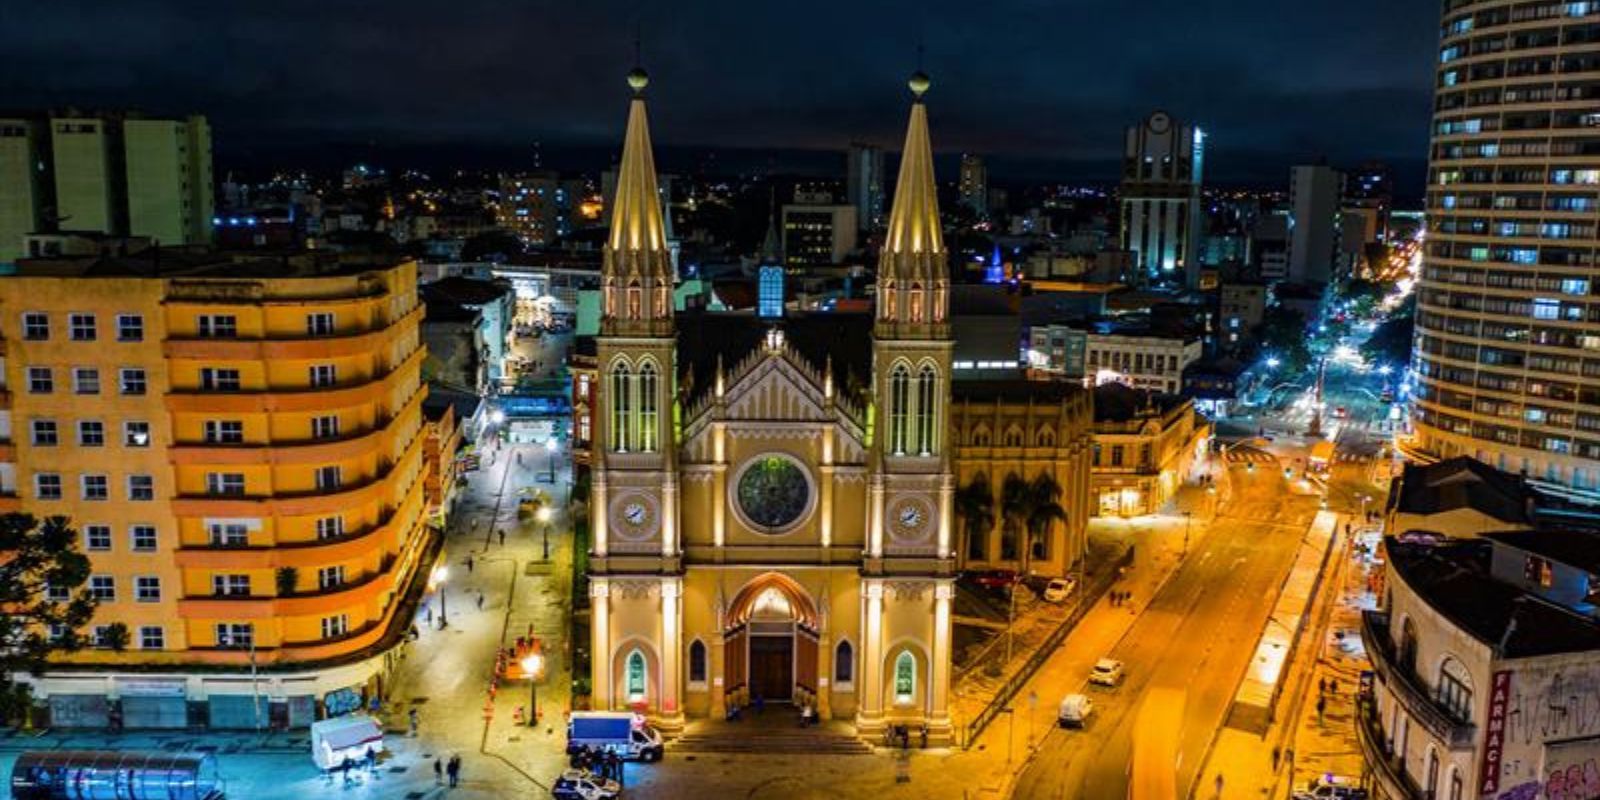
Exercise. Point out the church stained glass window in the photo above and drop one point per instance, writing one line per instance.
(905, 677)
(773, 493)
(635, 672)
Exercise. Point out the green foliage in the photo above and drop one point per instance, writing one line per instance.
(288, 579)
(1284, 336)
(116, 637)
(1031, 507)
(36, 554)
(1390, 342)
(974, 503)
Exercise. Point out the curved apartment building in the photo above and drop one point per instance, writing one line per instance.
(240, 445)
(1508, 331)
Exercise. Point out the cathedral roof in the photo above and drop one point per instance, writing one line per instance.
(636, 221)
(706, 338)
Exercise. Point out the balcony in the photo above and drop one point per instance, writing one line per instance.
(298, 398)
(1408, 689)
(333, 345)
(1385, 765)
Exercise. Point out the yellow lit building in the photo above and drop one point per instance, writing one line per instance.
(241, 446)
(1145, 446)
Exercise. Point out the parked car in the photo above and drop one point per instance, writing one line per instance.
(1332, 787)
(995, 578)
(577, 784)
(1107, 672)
(1075, 711)
(1059, 589)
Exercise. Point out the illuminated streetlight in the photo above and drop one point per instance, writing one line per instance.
(1272, 363)
(436, 580)
(532, 665)
(551, 446)
(544, 521)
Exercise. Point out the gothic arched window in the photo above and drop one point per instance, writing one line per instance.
(621, 409)
(905, 677)
(899, 399)
(926, 410)
(648, 417)
(634, 670)
(697, 661)
(844, 663)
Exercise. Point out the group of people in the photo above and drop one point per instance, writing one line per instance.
(603, 764)
(348, 765)
(451, 768)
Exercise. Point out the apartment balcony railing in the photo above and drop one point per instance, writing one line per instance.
(1408, 689)
(1383, 762)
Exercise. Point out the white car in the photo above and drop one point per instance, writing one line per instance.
(1059, 589)
(1075, 711)
(1106, 672)
(577, 784)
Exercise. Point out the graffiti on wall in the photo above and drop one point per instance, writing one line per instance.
(1552, 722)
(1573, 781)
(1566, 705)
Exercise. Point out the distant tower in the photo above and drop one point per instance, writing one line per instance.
(864, 184)
(974, 184)
(769, 274)
(1162, 216)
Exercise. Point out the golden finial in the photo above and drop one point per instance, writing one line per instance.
(638, 79)
(919, 83)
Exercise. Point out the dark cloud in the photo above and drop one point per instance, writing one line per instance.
(1041, 81)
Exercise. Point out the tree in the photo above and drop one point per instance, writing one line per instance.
(975, 505)
(1044, 510)
(288, 579)
(42, 577)
(115, 636)
(1014, 510)
(1284, 337)
(1390, 342)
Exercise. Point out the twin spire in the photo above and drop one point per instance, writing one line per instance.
(636, 221)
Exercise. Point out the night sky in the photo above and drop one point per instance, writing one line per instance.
(1044, 88)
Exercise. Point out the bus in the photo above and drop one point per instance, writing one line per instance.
(1321, 460)
(1153, 769)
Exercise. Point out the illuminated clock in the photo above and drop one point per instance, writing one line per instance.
(633, 516)
(908, 518)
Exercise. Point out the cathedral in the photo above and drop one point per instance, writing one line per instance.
(772, 500)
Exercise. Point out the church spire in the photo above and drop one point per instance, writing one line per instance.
(913, 276)
(772, 247)
(637, 266)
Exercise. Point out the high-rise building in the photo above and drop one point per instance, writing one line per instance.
(864, 184)
(1162, 168)
(113, 174)
(539, 207)
(818, 235)
(1314, 194)
(239, 445)
(1369, 192)
(1504, 315)
(974, 184)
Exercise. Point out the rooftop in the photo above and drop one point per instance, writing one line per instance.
(1575, 548)
(1457, 483)
(1014, 390)
(163, 262)
(705, 336)
(1117, 402)
(1453, 579)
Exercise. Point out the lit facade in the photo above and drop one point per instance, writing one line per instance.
(241, 447)
(1145, 447)
(1163, 165)
(1505, 327)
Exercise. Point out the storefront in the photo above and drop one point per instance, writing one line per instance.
(153, 703)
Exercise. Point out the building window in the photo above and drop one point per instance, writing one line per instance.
(147, 589)
(330, 527)
(217, 326)
(81, 327)
(225, 483)
(141, 487)
(324, 427)
(1116, 455)
(899, 399)
(927, 381)
(844, 664)
(648, 418)
(1454, 694)
(319, 324)
(1455, 784)
(36, 326)
(96, 537)
(91, 433)
(697, 661)
(214, 379)
(86, 380)
(40, 381)
(57, 594)
(236, 634)
(103, 588)
(100, 637)
(634, 669)
(620, 409)
(905, 678)
(133, 381)
(130, 328)
(329, 478)
(224, 431)
(330, 577)
(230, 585)
(322, 375)
(1538, 571)
(45, 433)
(229, 534)
(337, 625)
(143, 538)
(152, 637)
(95, 487)
(136, 434)
(47, 486)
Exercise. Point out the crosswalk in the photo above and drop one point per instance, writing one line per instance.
(1244, 455)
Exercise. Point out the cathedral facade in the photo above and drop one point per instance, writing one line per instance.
(772, 501)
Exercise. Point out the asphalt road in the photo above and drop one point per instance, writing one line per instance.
(1196, 636)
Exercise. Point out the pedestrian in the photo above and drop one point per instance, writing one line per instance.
(414, 719)
(427, 610)
(1288, 757)
(453, 769)
(1322, 704)
(614, 766)
(372, 759)
(1322, 686)
(438, 771)
(1219, 784)
(480, 599)
(1333, 686)
(469, 563)
(502, 537)
(1276, 755)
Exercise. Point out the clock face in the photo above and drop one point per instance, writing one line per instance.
(633, 516)
(909, 518)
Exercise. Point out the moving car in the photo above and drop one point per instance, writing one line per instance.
(1107, 672)
(1075, 711)
(577, 784)
(1059, 589)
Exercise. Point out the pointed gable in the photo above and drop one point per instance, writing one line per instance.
(636, 266)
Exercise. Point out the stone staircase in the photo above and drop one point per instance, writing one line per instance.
(762, 738)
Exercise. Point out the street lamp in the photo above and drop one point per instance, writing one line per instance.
(544, 522)
(550, 446)
(437, 580)
(532, 664)
(1272, 363)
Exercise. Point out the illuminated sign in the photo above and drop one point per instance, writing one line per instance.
(1495, 734)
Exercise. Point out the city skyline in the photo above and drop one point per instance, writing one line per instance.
(487, 83)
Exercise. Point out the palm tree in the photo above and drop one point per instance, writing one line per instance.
(975, 506)
(1044, 509)
(1016, 505)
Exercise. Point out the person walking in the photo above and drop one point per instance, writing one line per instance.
(502, 537)
(438, 771)
(453, 769)
(1219, 784)
(1322, 705)
(480, 599)
(469, 563)
(1277, 754)
(1322, 686)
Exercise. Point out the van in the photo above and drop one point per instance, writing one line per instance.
(1075, 711)
(622, 732)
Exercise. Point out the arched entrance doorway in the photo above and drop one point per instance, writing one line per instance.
(770, 642)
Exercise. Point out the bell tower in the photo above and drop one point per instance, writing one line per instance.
(635, 565)
(909, 569)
